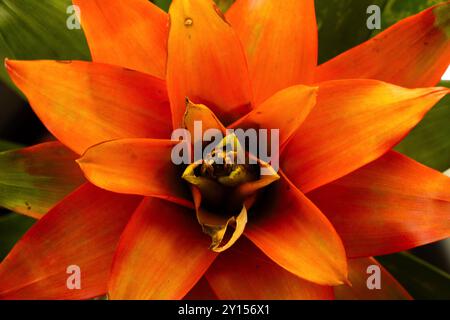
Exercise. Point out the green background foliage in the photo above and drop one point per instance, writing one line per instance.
(12, 227)
(37, 30)
(342, 23)
(429, 142)
(421, 279)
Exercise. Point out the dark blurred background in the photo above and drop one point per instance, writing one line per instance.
(18, 123)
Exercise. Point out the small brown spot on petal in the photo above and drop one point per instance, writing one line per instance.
(188, 22)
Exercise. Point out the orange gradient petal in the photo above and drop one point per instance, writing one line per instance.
(244, 273)
(162, 253)
(82, 230)
(206, 62)
(296, 235)
(131, 34)
(280, 39)
(390, 205)
(136, 166)
(285, 110)
(415, 52)
(353, 123)
(84, 103)
(359, 276)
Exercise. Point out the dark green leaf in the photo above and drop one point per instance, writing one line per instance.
(7, 145)
(421, 279)
(342, 23)
(224, 4)
(163, 4)
(12, 228)
(429, 142)
(33, 180)
(31, 29)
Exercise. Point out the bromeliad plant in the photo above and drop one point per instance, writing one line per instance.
(307, 231)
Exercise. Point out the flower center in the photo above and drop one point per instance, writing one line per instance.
(222, 167)
(225, 185)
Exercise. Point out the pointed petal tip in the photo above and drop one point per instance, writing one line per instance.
(341, 278)
(10, 65)
(445, 90)
(313, 89)
(191, 105)
(348, 282)
(79, 161)
(441, 92)
(13, 64)
(442, 13)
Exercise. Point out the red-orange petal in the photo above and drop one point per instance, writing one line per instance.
(359, 276)
(136, 166)
(280, 38)
(131, 34)
(390, 205)
(85, 103)
(415, 52)
(161, 255)
(296, 235)
(201, 291)
(82, 230)
(206, 62)
(244, 273)
(285, 110)
(353, 123)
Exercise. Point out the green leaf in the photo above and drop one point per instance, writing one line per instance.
(342, 23)
(163, 4)
(33, 180)
(224, 5)
(421, 279)
(7, 145)
(12, 228)
(31, 29)
(429, 142)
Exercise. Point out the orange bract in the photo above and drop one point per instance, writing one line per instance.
(254, 68)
